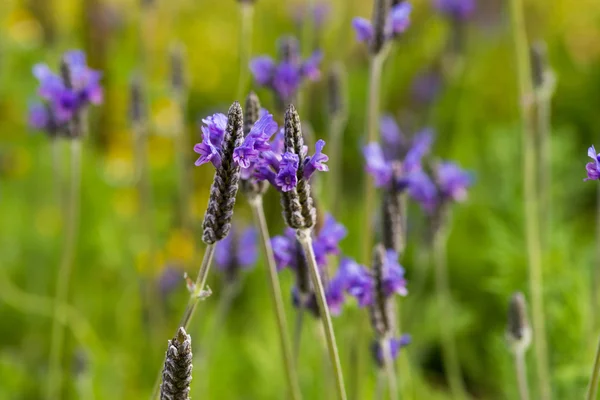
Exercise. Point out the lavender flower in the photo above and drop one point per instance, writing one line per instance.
(238, 251)
(177, 370)
(593, 168)
(453, 181)
(286, 77)
(459, 10)
(67, 95)
(394, 23)
(395, 345)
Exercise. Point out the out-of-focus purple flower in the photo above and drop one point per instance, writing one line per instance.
(319, 13)
(284, 249)
(593, 168)
(423, 190)
(393, 276)
(395, 345)
(421, 145)
(330, 235)
(169, 279)
(355, 280)
(316, 161)
(453, 181)
(391, 135)
(426, 87)
(39, 116)
(237, 251)
(456, 9)
(377, 166)
(286, 77)
(397, 22)
(363, 29)
(85, 81)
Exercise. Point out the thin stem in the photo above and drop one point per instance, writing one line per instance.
(521, 372)
(388, 365)
(375, 68)
(245, 43)
(57, 182)
(63, 278)
(532, 227)
(380, 385)
(297, 340)
(595, 378)
(545, 142)
(286, 348)
(449, 353)
(305, 240)
(181, 155)
(596, 273)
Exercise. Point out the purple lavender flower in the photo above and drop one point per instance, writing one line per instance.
(395, 345)
(593, 168)
(316, 161)
(453, 181)
(237, 251)
(286, 77)
(397, 22)
(423, 190)
(456, 9)
(209, 152)
(256, 141)
(355, 280)
(393, 276)
(287, 178)
(169, 280)
(377, 166)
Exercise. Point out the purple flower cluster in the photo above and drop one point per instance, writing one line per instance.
(261, 156)
(64, 97)
(238, 250)
(593, 168)
(285, 77)
(397, 22)
(395, 345)
(357, 281)
(456, 9)
(450, 184)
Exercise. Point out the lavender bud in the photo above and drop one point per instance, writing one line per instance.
(251, 187)
(336, 90)
(518, 331)
(382, 310)
(177, 372)
(539, 63)
(298, 209)
(217, 219)
(137, 113)
(381, 10)
(392, 221)
(178, 81)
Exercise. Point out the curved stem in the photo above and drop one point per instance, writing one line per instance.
(388, 365)
(305, 240)
(595, 378)
(521, 372)
(532, 227)
(54, 383)
(245, 46)
(450, 356)
(286, 348)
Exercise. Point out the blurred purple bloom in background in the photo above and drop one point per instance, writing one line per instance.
(453, 181)
(426, 87)
(456, 9)
(397, 22)
(170, 278)
(237, 251)
(593, 168)
(395, 345)
(319, 13)
(286, 77)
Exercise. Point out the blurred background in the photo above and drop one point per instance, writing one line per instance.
(457, 77)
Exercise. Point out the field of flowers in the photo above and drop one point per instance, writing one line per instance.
(299, 199)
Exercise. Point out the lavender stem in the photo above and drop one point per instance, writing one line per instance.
(532, 227)
(199, 292)
(521, 372)
(449, 353)
(595, 378)
(245, 45)
(596, 273)
(54, 382)
(388, 365)
(304, 237)
(286, 348)
(299, 323)
(56, 171)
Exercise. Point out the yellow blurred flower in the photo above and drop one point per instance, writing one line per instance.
(23, 28)
(180, 246)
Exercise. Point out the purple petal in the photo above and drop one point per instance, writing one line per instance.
(399, 18)
(376, 165)
(248, 248)
(262, 68)
(363, 29)
(287, 176)
(310, 68)
(316, 161)
(453, 181)
(287, 80)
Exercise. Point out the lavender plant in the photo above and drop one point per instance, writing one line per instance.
(66, 98)
(177, 370)
(518, 336)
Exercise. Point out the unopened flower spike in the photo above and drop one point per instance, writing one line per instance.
(518, 330)
(388, 22)
(177, 370)
(217, 219)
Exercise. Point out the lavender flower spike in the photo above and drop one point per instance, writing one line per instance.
(593, 168)
(217, 219)
(177, 372)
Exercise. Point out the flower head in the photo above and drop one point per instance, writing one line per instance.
(453, 181)
(593, 168)
(396, 22)
(238, 251)
(316, 161)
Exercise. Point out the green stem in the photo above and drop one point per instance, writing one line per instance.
(305, 240)
(54, 382)
(532, 216)
(55, 143)
(449, 353)
(596, 273)
(286, 348)
(245, 43)
(544, 132)
(380, 385)
(521, 372)
(593, 385)
(297, 340)
(388, 365)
